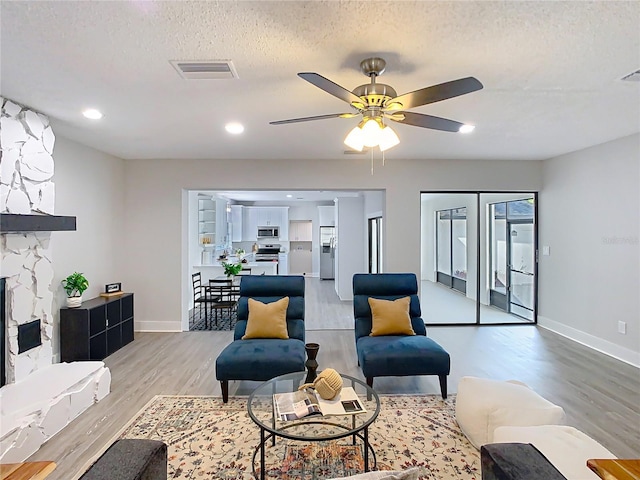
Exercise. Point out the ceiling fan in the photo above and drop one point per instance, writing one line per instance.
(377, 102)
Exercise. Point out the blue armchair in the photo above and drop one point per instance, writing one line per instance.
(262, 359)
(395, 355)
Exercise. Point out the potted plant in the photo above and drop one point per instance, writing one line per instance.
(231, 269)
(74, 285)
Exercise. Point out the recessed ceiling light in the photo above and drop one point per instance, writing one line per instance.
(234, 127)
(466, 128)
(289, 196)
(92, 114)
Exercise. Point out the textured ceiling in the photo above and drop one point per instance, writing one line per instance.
(551, 73)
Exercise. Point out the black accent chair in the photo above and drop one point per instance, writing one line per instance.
(201, 297)
(261, 359)
(395, 355)
(226, 300)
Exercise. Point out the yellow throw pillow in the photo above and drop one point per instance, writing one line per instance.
(390, 317)
(267, 320)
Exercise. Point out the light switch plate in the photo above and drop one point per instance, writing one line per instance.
(546, 251)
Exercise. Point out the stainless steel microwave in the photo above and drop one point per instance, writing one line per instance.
(268, 232)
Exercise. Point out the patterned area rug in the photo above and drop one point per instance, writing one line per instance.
(210, 439)
(197, 322)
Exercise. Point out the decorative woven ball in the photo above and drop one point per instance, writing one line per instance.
(328, 384)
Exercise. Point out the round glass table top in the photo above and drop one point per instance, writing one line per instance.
(262, 411)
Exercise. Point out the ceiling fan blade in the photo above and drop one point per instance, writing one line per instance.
(317, 117)
(330, 87)
(426, 121)
(434, 93)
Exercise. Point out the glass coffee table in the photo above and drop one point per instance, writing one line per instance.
(313, 428)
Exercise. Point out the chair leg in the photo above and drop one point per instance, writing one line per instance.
(224, 385)
(370, 381)
(443, 386)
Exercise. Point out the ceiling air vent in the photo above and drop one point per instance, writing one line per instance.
(205, 69)
(632, 77)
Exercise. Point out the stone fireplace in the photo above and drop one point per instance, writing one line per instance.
(26, 187)
(38, 398)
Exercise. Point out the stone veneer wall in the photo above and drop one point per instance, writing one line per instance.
(41, 398)
(26, 187)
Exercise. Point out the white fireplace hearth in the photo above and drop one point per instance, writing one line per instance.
(39, 398)
(36, 408)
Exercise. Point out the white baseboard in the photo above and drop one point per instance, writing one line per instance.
(155, 326)
(604, 346)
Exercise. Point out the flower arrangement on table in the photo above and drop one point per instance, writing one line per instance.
(231, 269)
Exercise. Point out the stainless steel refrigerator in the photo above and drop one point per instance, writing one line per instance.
(327, 252)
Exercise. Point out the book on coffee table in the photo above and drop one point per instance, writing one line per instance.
(296, 405)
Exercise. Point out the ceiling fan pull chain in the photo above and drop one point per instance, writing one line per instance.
(371, 160)
(383, 158)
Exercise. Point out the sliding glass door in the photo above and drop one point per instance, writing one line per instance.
(448, 261)
(478, 261)
(512, 257)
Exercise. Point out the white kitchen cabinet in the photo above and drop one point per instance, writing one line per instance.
(283, 264)
(284, 222)
(249, 224)
(222, 222)
(264, 268)
(236, 223)
(300, 231)
(326, 216)
(254, 217)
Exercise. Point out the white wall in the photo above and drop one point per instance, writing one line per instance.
(589, 218)
(351, 244)
(158, 272)
(90, 186)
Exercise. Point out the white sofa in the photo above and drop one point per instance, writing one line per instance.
(482, 405)
(567, 448)
(492, 411)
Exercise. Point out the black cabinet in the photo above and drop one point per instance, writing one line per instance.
(99, 327)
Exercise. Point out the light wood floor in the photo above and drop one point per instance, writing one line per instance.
(600, 395)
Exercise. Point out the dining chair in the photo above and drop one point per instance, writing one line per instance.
(225, 292)
(200, 296)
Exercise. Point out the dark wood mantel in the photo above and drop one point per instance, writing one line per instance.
(13, 223)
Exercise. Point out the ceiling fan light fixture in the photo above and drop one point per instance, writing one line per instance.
(355, 139)
(371, 131)
(388, 138)
(467, 128)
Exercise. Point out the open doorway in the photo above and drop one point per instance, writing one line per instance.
(375, 244)
(218, 224)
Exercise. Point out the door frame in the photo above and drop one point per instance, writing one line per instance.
(374, 223)
(479, 270)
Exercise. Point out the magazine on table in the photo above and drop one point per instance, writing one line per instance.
(295, 405)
